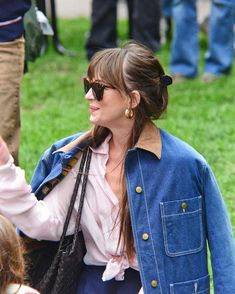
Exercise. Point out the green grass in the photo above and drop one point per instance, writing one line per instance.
(53, 106)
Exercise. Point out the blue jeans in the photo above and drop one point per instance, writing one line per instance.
(185, 45)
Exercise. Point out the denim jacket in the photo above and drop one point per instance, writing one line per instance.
(176, 210)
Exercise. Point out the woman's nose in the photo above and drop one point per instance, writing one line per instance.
(89, 95)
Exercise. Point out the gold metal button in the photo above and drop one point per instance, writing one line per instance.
(154, 283)
(145, 236)
(138, 189)
(184, 205)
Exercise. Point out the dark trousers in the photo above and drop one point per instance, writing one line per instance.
(144, 22)
(90, 282)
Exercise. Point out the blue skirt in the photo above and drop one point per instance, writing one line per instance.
(90, 282)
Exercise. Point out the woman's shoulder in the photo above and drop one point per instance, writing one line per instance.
(67, 143)
(20, 289)
(177, 147)
(52, 158)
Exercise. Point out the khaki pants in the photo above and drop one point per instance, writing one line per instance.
(11, 72)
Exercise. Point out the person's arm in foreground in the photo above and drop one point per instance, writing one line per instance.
(37, 219)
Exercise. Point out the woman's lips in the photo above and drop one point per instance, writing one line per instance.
(93, 108)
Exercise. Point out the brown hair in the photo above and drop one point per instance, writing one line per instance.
(132, 67)
(11, 255)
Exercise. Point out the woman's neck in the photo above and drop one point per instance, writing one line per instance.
(119, 143)
(121, 137)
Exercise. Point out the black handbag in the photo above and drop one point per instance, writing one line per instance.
(63, 274)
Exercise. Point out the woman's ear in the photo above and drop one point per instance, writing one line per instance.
(135, 98)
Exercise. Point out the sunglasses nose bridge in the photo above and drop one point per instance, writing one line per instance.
(90, 94)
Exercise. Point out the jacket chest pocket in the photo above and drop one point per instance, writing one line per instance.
(182, 226)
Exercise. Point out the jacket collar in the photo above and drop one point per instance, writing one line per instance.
(74, 143)
(149, 140)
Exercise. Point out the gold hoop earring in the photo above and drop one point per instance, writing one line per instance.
(129, 113)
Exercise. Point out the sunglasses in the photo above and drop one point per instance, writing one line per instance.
(97, 88)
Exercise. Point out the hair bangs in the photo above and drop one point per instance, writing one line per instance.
(107, 66)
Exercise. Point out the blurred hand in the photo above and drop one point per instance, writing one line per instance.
(4, 152)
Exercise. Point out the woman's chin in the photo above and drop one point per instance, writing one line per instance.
(98, 123)
(95, 121)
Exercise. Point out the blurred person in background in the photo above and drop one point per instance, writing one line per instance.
(12, 54)
(12, 265)
(185, 44)
(144, 24)
(166, 20)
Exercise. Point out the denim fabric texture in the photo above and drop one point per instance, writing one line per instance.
(185, 44)
(220, 54)
(166, 6)
(180, 221)
(177, 215)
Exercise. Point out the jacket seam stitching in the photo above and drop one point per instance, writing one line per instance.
(146, 207)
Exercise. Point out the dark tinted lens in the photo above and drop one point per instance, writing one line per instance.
(87, 85)
(98, 90)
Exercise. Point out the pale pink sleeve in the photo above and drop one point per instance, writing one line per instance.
(37, 219)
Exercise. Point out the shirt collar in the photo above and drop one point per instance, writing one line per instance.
(104, 147)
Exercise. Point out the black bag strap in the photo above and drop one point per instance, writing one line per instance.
(86, 157)
(81, 202)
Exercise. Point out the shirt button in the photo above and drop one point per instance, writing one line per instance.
(138, 189)
(154, 283)
(184, 205)
(145, 236)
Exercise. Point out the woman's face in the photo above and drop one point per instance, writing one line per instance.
(110, 111)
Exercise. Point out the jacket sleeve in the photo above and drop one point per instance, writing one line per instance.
(43, 168)
(47, 161)
(220, 236)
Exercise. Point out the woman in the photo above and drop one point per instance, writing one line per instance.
(152, 202)
(11, 261)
